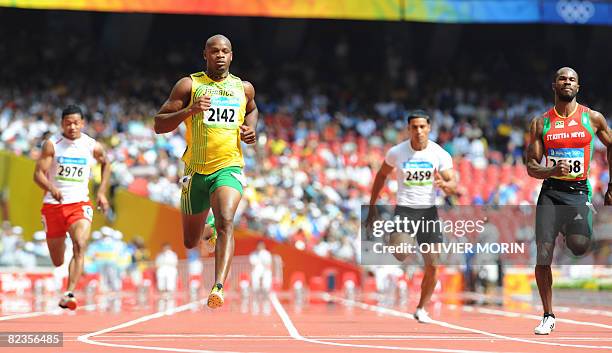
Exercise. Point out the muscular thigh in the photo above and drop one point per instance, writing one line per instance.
(57, 248)
(547, 217)
(193, 225)
(224, 202)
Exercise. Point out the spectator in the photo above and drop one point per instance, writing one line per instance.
(10, 239)
(40, 249)
(24, 257)
(261, 269)
(166, 270)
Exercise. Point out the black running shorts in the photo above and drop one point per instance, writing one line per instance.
(429, 230)
(563, 208)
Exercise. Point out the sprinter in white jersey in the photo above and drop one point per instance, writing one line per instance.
(63, 172)
(421, 165)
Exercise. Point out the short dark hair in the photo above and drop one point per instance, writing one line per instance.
(72, 109)
(418, 114)
(558, 72)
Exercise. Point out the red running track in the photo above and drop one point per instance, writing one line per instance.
(276, 325)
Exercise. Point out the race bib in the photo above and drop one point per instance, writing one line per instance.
(88, 212)
(240, 177)
(44, 223)
(185, 183)
(72, 169)
(418, 173)
(223, 112)
(573, 156)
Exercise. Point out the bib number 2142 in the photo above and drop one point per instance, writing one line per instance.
(221, 115)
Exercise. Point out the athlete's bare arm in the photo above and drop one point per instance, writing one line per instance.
(379, 183)
(247, 130)
(100, 156)
(446, 181)
(42, 168)
(605, 136)
(535, 152)
(176, 108)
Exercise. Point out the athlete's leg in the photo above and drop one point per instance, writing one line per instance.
(57, 248)
(579, 244)
(193, 226)
(428, 284)
(79, 233)
(543, 275)
(398, 239)
(224, 201)
(55, 229)
(548, 217)
(579, 230)
(208, 232)
(194, 208)
(430, 260)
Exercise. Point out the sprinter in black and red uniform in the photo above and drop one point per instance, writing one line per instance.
(564, 135)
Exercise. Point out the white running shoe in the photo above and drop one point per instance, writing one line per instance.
(68, 301)
(546, 326)
(422, 316)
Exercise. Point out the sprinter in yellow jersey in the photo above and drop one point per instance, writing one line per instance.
(219, 111)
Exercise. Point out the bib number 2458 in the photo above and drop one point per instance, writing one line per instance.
(575, 165)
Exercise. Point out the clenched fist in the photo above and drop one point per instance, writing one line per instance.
(201, 104)
(57, 195)
(247, 134)
(561, 169)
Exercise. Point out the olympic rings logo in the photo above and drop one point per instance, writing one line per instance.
(575, 11)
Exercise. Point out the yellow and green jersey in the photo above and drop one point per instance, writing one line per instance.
(213, 136)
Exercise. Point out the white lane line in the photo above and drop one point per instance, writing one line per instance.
(331, 337)
(57, 311)
(87, 337)
(294, 333)
(393, 312)
(567, 309)
(564, 309)
(530, 316)
(325, 338)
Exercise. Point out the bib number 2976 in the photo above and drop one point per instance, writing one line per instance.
(70, 172)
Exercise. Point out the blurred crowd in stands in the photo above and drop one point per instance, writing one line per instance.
(325, 124)
(107, 252)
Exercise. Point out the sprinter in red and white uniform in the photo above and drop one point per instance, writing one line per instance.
(63, 172)
(563, 138)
